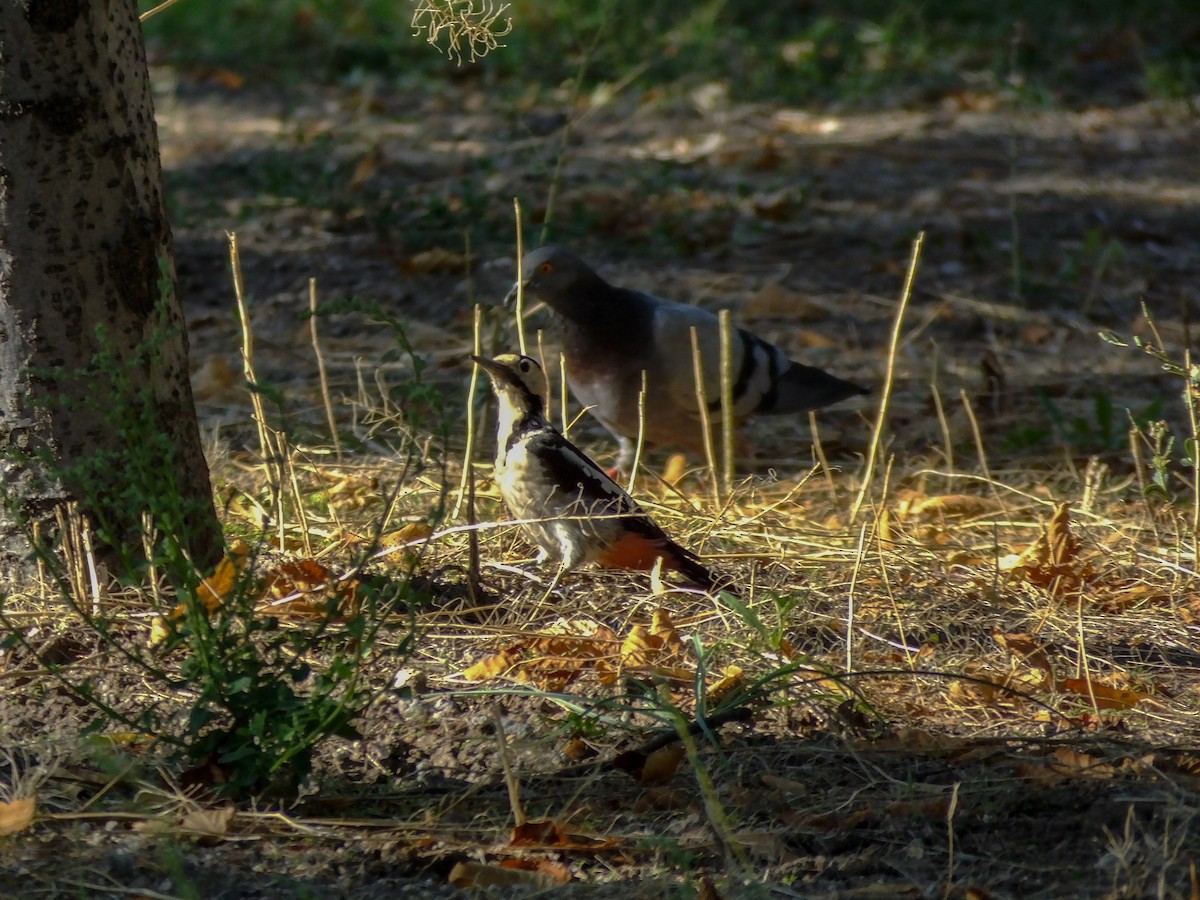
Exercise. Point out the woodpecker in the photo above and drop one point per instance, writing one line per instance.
(567, 505)
(610, 335)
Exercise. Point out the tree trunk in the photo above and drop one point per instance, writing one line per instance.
(95, 400)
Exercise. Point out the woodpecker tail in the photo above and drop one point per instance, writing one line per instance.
(686, 564)
(643, 543)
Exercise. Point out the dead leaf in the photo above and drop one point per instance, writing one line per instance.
(766, 845)
(434, 261)
(708, 890)
(935, 808)
(366, 167)
(493, 666)
(160, 630)
(731, 678)
(224, 77)
(554, 660)
(664, 629)
(304, 588)
(547, 833)
(831, 822)
(785, 785)
(773, 205)
(1066, 761)
(1101, 695)
(812, 340)
(216, 380)
(544, 833)
(1027, 649)
(1122, 597)
(16, 815)
(214, 590)
(208, 826)
(1052, 561)
(1037, 773)
(774, 301)
(412, 533)
(515, 873)
(946, 506)
(577, 750)
(674, 469)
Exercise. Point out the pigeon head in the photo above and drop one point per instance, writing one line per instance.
(561, 280)
(517, 380)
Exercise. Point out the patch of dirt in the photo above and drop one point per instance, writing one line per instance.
(1041, 229)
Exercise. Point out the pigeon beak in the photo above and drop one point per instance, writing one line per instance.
(510, 299)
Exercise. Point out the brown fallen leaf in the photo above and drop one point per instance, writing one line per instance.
(768, 846)
(216, 381)
(577, 750)
(493, 666)
(305, 589)
(412, 533)
(1053, 561)
(16, 815)
(1027, 649)
(547, 833)
(773, 300)
(366, 167)
(811, 339)
(935, 808)
(946, 506)
(731, 678)
(785, 785)
(435, 260)
(226, 78)
(1103, 696)
(1067, 761)
(207, 826)
(510, 873)
(213, 590)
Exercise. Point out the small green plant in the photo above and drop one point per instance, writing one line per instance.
(1156, 435)
(248, 692)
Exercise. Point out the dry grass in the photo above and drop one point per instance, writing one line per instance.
(929, 716)
(909, 682)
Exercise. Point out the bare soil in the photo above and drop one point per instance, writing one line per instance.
(1041, 229)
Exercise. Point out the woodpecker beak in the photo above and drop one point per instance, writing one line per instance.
(488, 365)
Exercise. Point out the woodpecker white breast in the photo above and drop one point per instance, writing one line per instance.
(568, 506)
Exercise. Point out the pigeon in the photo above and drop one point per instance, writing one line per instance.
(567, 505)
(610, 335)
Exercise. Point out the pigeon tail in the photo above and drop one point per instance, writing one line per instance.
(802, 388)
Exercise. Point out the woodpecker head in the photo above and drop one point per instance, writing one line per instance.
(560, 279)
(518, 381)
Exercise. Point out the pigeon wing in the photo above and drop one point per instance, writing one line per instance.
(757, 365)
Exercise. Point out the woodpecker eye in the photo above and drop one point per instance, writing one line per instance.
(526, 366)
(546, 268)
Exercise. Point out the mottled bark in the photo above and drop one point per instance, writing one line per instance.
(85, 244)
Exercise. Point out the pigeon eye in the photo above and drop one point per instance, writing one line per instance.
(546, 268)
